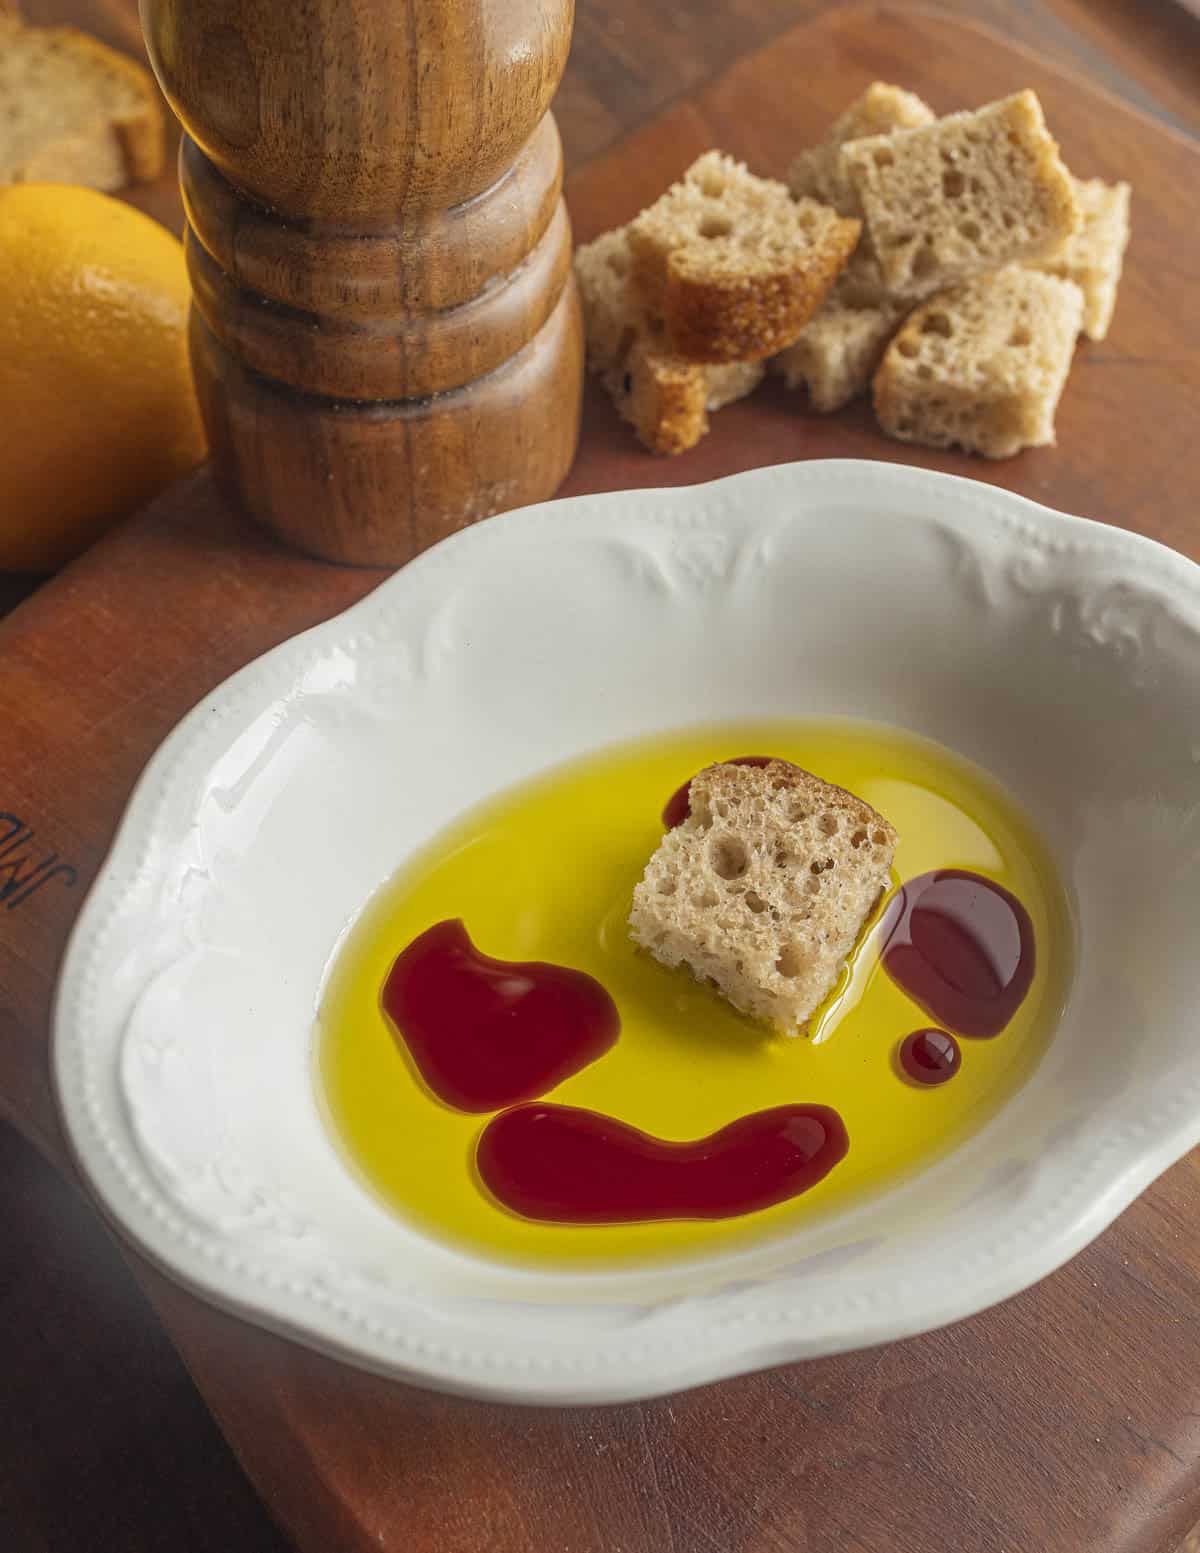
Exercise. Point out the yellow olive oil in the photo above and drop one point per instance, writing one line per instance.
(545, 871)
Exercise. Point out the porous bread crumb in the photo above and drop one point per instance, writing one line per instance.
(982, 366)
(1093, 256)
(732, 381)
(837, 352)
(963, 195)
(765, 887)
(663, 396)
(816, 173)
(733, 265)
(612, 316)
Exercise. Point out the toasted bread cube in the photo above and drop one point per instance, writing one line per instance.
(1093, 257)
(665, 398)
(816, 172)
(765, 887)
(982, 366)
(963, 195)
(612, 315)
(733, 264)
(837, 352)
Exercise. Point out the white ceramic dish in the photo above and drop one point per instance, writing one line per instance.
(1062, 656)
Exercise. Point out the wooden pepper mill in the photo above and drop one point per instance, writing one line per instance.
(385, 332)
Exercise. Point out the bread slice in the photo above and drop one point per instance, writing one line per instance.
(837, 352)
(1093, 257)
(963, 195)
(765, 887)
(982, 366)
(817, 174)
(666, 398)
(733, 264)
(74, 111)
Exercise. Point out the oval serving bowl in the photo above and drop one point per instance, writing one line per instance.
(1062, 656)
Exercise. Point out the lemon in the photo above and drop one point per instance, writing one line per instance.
(97, 407)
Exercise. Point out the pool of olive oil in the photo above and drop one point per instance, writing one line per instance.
(545, 871)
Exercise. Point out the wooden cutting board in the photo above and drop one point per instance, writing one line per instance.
(1068, 1418)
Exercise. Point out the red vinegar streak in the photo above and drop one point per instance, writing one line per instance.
(930, 1056)
(570, 1166)
(962, 948)
(486, 1033)
(680, 800)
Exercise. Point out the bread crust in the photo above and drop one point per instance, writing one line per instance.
(732, 264)
(733, 317)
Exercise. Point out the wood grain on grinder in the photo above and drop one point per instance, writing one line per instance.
(1068, 1418)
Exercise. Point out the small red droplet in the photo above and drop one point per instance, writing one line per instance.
(930, 1056)
(962, 947)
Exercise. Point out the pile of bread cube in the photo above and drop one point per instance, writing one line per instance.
(946, 265)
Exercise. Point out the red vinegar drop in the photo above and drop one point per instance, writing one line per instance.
(961, 946)
(930, 1056)
(571, 1166)
(486, 1033)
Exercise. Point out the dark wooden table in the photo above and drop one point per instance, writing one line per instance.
(103, 1443)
